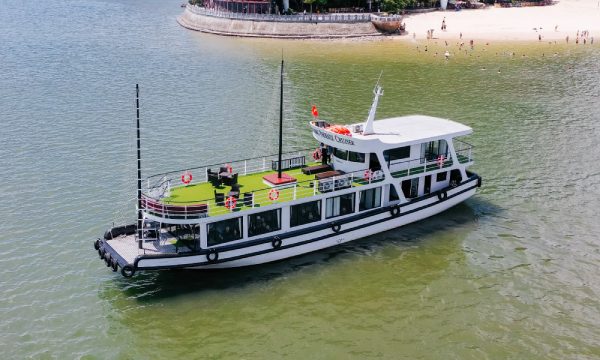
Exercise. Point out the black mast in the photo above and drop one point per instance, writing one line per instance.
(280, 124)
(139, 168)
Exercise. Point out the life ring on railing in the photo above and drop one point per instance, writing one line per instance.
(127, 271)
(317, 154)
(229, 168)
(276, 243)
(273, 194)
(212, 256)
(367, 175)
(442, 195)
(440, 161)
(186, 177)
(230, 203)
(395, 211)
(336, 228)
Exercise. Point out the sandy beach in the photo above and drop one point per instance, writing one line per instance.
(553, 23)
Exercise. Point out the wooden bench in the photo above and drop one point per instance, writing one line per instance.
(309, 170)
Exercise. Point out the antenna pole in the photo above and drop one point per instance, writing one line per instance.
(378, 91)
(280, 123)
(139, 168)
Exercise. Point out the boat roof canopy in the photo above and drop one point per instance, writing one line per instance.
(398, 131)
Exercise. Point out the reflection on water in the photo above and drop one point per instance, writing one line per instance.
(510, 273)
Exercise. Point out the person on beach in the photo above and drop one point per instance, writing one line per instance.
(567, 39)
(539, 37)
(460, 35)
(444, 24)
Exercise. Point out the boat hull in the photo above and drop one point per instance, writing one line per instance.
(314, 239)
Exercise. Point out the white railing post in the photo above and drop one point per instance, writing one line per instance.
(264, 161)
(245, 166)
(295, 187)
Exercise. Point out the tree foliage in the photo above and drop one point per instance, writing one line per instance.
(397, 5)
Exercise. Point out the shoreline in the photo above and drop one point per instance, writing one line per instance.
(551, 23)
(562, 22)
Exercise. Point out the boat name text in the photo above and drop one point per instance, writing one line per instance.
(331, 137)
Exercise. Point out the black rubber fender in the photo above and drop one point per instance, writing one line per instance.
(107, 259)
(114, 265)
(127, 271)
(101, 253)
(479, 181)
(442, 195)
(336, 228)
(395, 211)
(212, 256)
(97, 244)
(276, 243)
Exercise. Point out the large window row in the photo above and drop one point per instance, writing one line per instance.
(269, 221)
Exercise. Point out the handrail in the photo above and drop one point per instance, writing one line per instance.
(301, 18)
(222, 163)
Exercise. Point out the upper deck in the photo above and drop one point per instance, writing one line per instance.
(166, 196)
(390, 133)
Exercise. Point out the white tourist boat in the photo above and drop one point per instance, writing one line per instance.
(362, 179)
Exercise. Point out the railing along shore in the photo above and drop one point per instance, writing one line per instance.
(298, 18)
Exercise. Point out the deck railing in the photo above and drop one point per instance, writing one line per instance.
(298, 18)
(262, 197)
(199, 174)
(433, 162)
(464, 151)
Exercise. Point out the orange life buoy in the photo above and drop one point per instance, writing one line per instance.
(368, 174)
(273, 194)
(187, 177)
(317, 154)
(339, 129)
(230, 202)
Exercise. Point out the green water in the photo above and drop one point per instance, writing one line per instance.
(511, 273)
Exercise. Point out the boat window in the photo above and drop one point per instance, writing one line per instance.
(340, 154)
(374, 162)
(410, 188)
(370, 199)
(339, 205)
(433, 149)
(393, 193)
(396, 154)
(441, 176)
(264, 222)
(224, 231)
(356, 157)
(305, 213)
